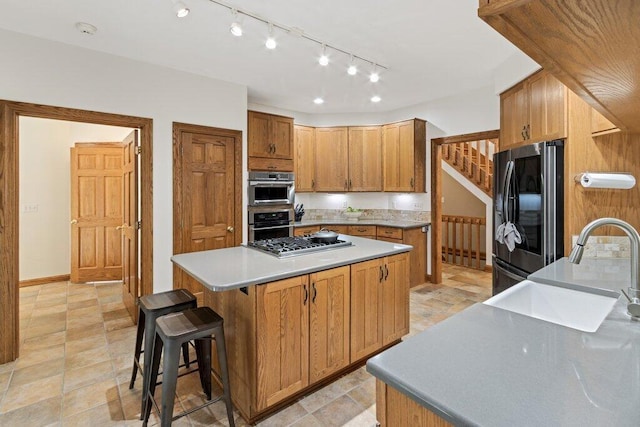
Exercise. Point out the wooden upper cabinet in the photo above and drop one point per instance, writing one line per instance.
(365, 158)
(591, 46)
(270, 142)
(600, 125)
(304, 163)
(282, 339)
(533, 110)
(329, 322)
(404, 156)
(331, 159)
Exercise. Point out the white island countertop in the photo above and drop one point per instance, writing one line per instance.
(240, 266)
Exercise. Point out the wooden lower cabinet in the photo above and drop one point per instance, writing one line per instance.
(379, 303)
(284, 337)
(307, 229)
(396, 409)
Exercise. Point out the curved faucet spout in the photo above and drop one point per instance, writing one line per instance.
(576, 253)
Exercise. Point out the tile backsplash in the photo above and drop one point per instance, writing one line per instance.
(606, 246)
(371, 214)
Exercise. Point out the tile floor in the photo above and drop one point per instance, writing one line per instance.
(76, 353)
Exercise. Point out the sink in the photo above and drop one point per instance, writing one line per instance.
(583, 310)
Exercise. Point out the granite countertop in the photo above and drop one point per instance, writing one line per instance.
(381, 222)
(488, 366)
(240, 266)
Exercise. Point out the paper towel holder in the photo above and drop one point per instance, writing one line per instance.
(625, 176)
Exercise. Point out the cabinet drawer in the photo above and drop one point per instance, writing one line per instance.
(340, 229)
(265, 164)
(362, 230)
(389, 232)
(308, 229)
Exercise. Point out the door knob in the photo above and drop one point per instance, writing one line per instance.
(120, 227)
(74, 221)
(230, 229)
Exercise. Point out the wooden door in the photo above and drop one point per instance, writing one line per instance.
(130, 282)
(96, 212)
(259, 136)
(513, 116)
(331, 159)
(365, 158)
(366, 330)
(281, 129)
(282, 330)
(395, 298)
(547, 107)
(398, 157)
(329, 322)
(207, 200)
(304, 161)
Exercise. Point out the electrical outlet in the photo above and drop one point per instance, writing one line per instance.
(344, 204)
(394, 205)
(29, 208)
(418, 206)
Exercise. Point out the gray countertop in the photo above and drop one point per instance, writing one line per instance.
(381, 222)
(236, 267)
(491, 367)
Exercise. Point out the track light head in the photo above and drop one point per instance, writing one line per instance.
(375, 99)
(235, 28)
(324, 59)
(271, 42)
(181, 10)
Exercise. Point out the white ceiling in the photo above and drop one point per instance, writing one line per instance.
(433, 48)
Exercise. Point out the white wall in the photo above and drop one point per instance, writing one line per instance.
(45, 191)
(46, 72)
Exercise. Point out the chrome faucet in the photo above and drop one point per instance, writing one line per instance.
(576, 256)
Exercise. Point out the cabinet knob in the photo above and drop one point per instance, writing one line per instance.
(230, 229)
(345, 184)
(313, 183)
(411, 183)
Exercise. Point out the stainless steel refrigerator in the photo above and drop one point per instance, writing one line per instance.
(528, 214)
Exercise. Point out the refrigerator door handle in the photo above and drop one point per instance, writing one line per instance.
(505, 270)
(506, 191)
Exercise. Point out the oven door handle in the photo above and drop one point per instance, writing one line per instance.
(269, 183)
(270, 202)
(252, 228)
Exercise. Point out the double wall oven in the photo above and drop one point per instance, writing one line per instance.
(271, 198)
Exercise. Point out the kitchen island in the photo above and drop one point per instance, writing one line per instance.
(488, 366)
(294, 324)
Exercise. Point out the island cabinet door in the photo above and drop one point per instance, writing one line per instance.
(282, 331)
(395, 298)
(366, 330)
(329, 322)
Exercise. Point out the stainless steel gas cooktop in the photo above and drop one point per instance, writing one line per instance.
(284, 247)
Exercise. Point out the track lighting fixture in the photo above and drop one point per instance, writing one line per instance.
(324, 59)
(271, 42)
(181, 10)
(375, 99)
(235, 28)
(374, 76)
(352, 70)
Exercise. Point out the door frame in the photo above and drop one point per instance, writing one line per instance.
(10, 112)
(178, 128)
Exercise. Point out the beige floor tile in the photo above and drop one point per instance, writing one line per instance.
(43, 413)
(34, 357)
(39, 318)
(84, 312)
(49, 300)
(85, 322)
(285, 417)
(81, 377)
(37, 372)
(81, 345)
(44, 329)
(111, 306)
(321, 397)
(88, 357)
(365, 394)
(105, 415)
(42, 311)
(118, 323)
(308, 421)
(116, 314)
(4, 381)
(340, 412)
(88, 331)
(28, 394)
(7, 367)
(81, 399)
(75, 305)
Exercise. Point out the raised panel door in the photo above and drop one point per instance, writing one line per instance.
(259, 134)
(282, 339)
(282, 137)
(398, 156)
(366, 329)
(546, 108)
(365, 158)
(395, 298)
(329, 322)
(304, 161)
(513, 116)
(331, 159)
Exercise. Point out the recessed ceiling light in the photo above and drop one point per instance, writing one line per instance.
(374, 77)
(318, 101)
(180, 9)
(352, 70)
(375, 98)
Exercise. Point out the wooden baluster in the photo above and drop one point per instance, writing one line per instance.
(478, 266)
(470, 242)
(454, 241)
(445, 237)
(470, 162)
(478, 161)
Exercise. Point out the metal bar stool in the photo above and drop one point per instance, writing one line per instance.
(201, 324)
(150, 308)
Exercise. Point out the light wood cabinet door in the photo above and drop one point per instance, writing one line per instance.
(340, 229)
(304, 161)
(366, 330)
(282, 137)
(282, 334)
(513, 116)
(547, 107)
(600, 124)
(398, 157)
(365, 158)
(270, 137)
(329, 322)
(395, 298)
(258, 134)
(331, 159)
(307, 229)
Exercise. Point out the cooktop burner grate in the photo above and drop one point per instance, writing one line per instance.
(284, 247)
